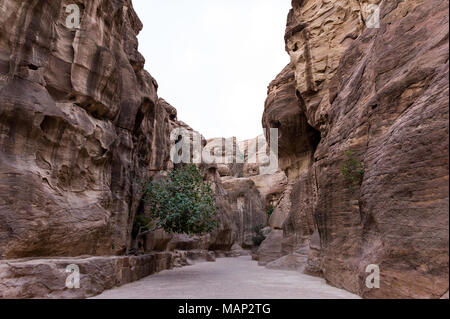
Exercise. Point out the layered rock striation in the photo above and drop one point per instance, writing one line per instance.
(80, 127)
(381, 94)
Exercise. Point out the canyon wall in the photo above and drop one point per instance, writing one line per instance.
(81, 127)
(377, 97)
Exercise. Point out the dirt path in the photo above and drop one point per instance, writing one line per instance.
(227, 278)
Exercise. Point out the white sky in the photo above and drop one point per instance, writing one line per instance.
(213, 59)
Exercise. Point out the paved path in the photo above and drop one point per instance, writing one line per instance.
(227, 278)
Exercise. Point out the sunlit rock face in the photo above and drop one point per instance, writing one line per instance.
(80, 128)
(381, 93)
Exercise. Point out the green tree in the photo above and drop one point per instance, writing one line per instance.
(181, 203)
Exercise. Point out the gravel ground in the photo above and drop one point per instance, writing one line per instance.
(227, 278)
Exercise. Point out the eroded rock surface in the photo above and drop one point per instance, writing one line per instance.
(270, 248)
(250, 191)
(247, 209)
(46, 278)
(382, 94)
(80, 127)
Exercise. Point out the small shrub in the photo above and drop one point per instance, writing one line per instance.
(258, 239)
(353, 170)
(257, 229)
(270, 210)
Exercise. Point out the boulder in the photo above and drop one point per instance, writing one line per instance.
(270, 248)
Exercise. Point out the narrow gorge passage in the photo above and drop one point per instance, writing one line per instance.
(112, 175)
(228, 278)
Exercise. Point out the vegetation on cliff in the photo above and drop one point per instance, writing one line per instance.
(180, 203)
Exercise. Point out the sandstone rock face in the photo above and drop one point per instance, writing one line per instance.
(270, 248)
(238, 158)
(271, 187)
(282, 209)
(299, 225)
(249, 192)
(297, 139)
(46, 278)
(247, 209)
(382, 94)
(318, 34)
(157, 240)
(80, 127)
(226, 234)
